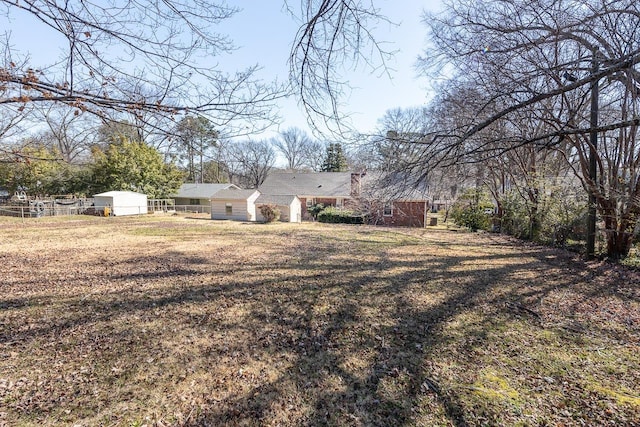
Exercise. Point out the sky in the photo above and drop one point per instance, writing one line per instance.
(264, 32)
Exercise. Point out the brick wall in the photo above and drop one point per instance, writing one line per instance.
(403, 214)
(318, 200)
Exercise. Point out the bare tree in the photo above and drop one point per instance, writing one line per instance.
(313, 155)
(70, 135)
(540, 60)
(10, 119)
(398, 145)
(133, 57)
(111, 132)
(140, 61)
(300, 150)
(10, 127)
(403, 150)
(293, 143)
(250, 162)
(335, 35)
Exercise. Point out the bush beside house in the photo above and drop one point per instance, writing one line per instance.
(270, 213)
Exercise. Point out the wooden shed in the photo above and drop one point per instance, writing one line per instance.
(234, 204)
(290, 207)
(119, 203)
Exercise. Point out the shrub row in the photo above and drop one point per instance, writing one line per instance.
(335, 216)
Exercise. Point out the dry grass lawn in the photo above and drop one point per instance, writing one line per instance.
(186, 321)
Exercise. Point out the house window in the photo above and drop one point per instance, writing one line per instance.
(309, 203)
(194, 201)
(388, 209)
(339, 203)
(228, 209)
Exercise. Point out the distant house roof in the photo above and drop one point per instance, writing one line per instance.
(234, 194)
(315, 184)
(395, 187)
(275, 200)
(201, 191)
(373, 185)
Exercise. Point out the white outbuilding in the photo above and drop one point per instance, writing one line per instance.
(290, 207)
(234, 204)
(119, 203)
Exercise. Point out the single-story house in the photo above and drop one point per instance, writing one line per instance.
(290, 207)
(399, 213)
(190, 194)
(234, 203)
(119, 203)
(388, 201)
(393, 201)
(312, 188)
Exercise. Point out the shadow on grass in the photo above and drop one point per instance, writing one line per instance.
(362, 334)
(323, 346)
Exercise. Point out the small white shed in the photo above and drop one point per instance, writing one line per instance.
(234, 204)
(290, 207)
(121, 203)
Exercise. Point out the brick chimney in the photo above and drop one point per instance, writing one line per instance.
(356, 185)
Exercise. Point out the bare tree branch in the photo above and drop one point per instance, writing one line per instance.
(135, 57)
(335, 35)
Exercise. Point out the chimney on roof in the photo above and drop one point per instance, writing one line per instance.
(356, 185)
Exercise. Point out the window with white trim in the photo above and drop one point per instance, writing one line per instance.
(228, 209)
(388, 209)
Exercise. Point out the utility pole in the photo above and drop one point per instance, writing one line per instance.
(593, 146)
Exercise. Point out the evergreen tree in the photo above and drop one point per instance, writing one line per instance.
(40, 172)
(335, 160)
(135, 166)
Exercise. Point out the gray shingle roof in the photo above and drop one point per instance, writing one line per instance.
(394, 187)
(200, 191)
(316, 184)
(275, 200)
(338, 184)
(233, 194)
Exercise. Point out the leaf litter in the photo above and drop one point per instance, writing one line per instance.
(179, 321)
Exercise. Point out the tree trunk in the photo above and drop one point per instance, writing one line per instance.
(534, 215)
(618, 243)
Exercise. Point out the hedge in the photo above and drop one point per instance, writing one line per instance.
(335, 216)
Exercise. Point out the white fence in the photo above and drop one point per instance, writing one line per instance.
(40, 208)
(36, 209)
(193, 208)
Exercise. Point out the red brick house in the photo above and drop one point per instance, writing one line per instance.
(312, 188)
(385, 204)
(393, 201)
(400, 213)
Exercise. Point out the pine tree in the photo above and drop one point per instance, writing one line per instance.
(335, 161)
